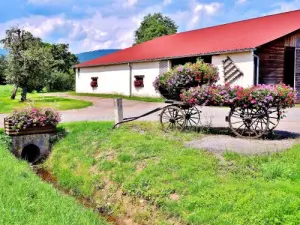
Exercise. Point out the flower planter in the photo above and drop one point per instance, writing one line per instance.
(138, 83)
(182, 77)
(30, 130)
(94, 82)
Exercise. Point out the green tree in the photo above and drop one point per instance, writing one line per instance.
(62, 76)
(154, 26)
(29, 62)
(2, 69)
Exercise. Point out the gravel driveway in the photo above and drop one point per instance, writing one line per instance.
(102, 110)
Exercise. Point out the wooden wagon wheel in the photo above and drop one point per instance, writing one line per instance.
(274, 118)
(192, 117)
(248, 122)
(172, 118)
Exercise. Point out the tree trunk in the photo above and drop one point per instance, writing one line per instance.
(14, 93)
(24, 94)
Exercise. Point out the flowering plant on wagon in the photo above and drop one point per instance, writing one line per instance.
(261, 96)
(183, 77)
(33, 117)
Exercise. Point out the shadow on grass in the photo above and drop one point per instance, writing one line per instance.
(272, 135)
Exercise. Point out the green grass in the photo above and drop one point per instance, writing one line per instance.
(136, 98)
(145, 163)
(37, 100)
(26, 200)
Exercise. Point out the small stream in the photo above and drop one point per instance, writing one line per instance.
(50, 178)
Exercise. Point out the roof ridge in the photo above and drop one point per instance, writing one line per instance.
(214, 26)
(239, 21)
(229, 37)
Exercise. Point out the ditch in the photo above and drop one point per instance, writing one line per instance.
(86, 202)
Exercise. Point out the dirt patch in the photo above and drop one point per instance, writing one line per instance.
(107, 155)
(112, 200)
(218, 144)
(174, 197)
(88, 203)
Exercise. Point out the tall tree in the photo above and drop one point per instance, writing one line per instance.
(2, 69)
(154, 26)
(28, 63)
(63, 76)
(64, 60)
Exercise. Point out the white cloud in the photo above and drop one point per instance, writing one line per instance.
(167, 2)
(86, 34)
(130, 3)
(241, 1)
(203, 9)
(285, 6)
(99, 29)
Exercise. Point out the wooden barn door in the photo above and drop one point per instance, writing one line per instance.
(289, 66)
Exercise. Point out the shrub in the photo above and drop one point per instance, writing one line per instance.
(265, 96)
(61, 81)
(33, 117)
(182, 77)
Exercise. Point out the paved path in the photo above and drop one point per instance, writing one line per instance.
(218, 144)
(102, 110)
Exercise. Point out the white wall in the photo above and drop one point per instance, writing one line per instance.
(111, 79)
(115, 79)
(150, 70)
(244, 61)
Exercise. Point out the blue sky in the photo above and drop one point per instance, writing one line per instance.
(94, 24)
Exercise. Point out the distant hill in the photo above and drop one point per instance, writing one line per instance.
(3, 51)
(86, 56)
(83, 57)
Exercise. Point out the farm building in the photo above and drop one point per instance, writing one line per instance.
(263, 50)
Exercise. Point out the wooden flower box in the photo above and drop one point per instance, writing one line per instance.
(138, 83)
(31, 130)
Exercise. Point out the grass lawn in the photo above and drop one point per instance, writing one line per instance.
(26, 200)
(136, 98)
(37, 100)
(186, 185)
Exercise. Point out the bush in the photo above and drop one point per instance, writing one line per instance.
(61, 81)
(265, 96)
(33, 117)
(182, 77)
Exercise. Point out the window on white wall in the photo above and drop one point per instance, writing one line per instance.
(139, 81)
(163, 67)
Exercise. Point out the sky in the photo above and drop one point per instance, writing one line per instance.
(88, 25)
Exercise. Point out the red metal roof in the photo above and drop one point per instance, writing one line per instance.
(232, 37)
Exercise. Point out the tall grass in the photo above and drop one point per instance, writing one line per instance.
(25, 199)
(145, 163)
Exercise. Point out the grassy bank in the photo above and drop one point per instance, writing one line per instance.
(182, 184)
(25, 199)
(136, 98)
(37, 100)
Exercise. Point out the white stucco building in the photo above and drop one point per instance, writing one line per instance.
(260, 50)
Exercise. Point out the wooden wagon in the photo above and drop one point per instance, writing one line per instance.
(243, 122)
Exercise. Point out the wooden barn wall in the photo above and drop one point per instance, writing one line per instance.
(297, 72)
(272, 58)
(290, 40)
(271, 62)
